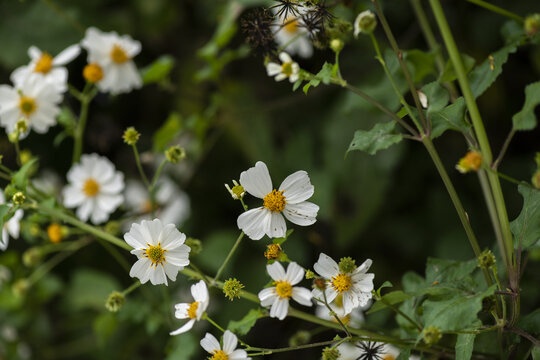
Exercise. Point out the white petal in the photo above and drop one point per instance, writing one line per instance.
(280, 77)
(200, 291)
(277, 227)
(276, 271)
(178, 256)
(297, 187)
(141, 270)
(273, 69)
(303, 214)
(266, 296)
(256, 180)
(73, 196)
(135, 238)
(84, 211)
(279, 309)
(326, 266)
(157, 276)
(238, 355)
(185, 328)
(348, 302)
(254, 223)
(4, 242)
(68, 54)
(181, 310)
(229, 342)
(363, 268)
(210, 343)
(363, 282)
(284, 57)
(302, 296)
(34, 53)
(171, 270)
(295, 273)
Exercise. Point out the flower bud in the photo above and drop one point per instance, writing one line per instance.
(175, 153)
(237, 192)
(431, 335)
(232, 288)
(470, 162)
(336, 45)
(55, 233)
(486, 259)
(18, 198)
(21, 287)
(365, 22)
(319, 283)
(26, 156)
(115, 301)
(32, 257)
(131, 136)
(330, 353)
(347, 265)
(21, 126)
(310, 275)
(93, 73)
(532, 24)
(273, 251)
(195, 245)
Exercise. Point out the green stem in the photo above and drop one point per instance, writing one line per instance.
(206, 317)
(77, 26)
(333, 313)
(401, 313)
(18, 151)
(497, 10)
(139, 167)
(81, 124)
(503, 300)
(228, 258)
(292, 348)
(152, 188)
(133, 286)
(503, 149)
(508, 250)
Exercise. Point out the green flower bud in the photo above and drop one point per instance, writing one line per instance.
(302, 337)
(532, 24)
(310, 275)
(330, 354)
(431, 335)
(536, 159)
(232, 288)
(347, 265)
(32, 257)
(237, 192)
(175, 153)
(365, 22)
(18, 198)
(131, 136)
(273, 251)
(115, 301)
(195, 246)
(21, 126)
(26, 156)
(21, 287)
(336, 45)
(486, 259)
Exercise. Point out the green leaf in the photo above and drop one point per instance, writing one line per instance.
(90, 289)
(449, 74)
(394, 297)
(242, 326)
(526, 227)
(167, 132)
(456, 313)
(405, 354)
(182, 347)
(325, 75)
(437, 97)
(530, 323)
(21, 176)
(423, 62)
(157, 71)
(443, 270)
(297, 84)
(451, 117)
(536, 353)
(487, 72)
(380, 137)
(67, 119)
(283, 239)
(526, 119)
(5, 215)
(104, 326)
(464, 346)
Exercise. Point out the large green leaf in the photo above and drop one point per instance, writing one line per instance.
(526, 227)
(526, 119)
(423, 62)
(487, 72)
(436, 95)
(242, 326)
(394, 297)
(464, 346)
(451, 117)
(158, 70)
(20, 178)
(443, 270)
(380, 137)
(531, 323)
(167, 132)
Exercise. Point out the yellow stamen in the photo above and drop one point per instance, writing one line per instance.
(192, 310)
(283, 289)
(272, 252)
(275, 201)
(286, 68)
(44, 64)
(54, 231)
(470, 162)
(219, 355)
(341, 282)
(27, 105)
(91, 188)
(155, 254)
(290, 25)
(388, 357)
(93, 73)
(119, 55)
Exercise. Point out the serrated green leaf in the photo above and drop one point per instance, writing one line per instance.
(530, 323)
(464, 346)
(487, 72)
(449, 73)
(167, 132)
(437, 97)
(325, 75)
(158, 70)
(443, 270)
(451, 117)
(394, 297)
(423, 62)
(380, 137)
(526, 119)
(20, 178)
(242, 326)
(526, 227)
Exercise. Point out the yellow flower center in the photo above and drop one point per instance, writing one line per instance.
(238, 191)
(275, 201)
(290, 25)
(286, 68)
(54, 231)
(155, 254)
(93, 73)
(388, 357)
(283, 289)
(219, 355)
(27, 105)
(272, 252)
(118, 55)
(471, 162)
(192, 310)
(341, 282)
(91, 187)
(44, 64)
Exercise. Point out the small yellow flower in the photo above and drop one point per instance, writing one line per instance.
(131, 136)
(93, 73)
(175, 153)
(55, 233)
(273, 251)
(470, 162)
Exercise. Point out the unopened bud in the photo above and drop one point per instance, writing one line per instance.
(55, 233)
(21, 287)
(470, 162)
(336, 45)
(273, 251)
(310, 275)
(131, 136)
(365, 22)
(32, 257)
(21, 126)
(347, 265)
(237, 192)
(175, 153)
(431, 335)
(232, 288)
(26, 156)
(302, 337)
(18, 198)
(486, 259)
(532, 24)
(330, 353)
(93, 73)
(115, 301)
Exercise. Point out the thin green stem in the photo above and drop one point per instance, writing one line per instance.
(401, 313)
(139, 167)
(206, 317)
(503, 149)
(229, 256)
(333, 313)
(133, 286)
(503, 300)
(81, 124)
(152, 188)
(404, 68)
(497, 9)
(264, 352)
(18, 151)
(76, 25)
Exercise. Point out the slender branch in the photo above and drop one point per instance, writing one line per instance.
(139, 167)
(133, 286)
(76, 25)
(228, 258)
(524, 334)
(333, 313)
(85, 99)
(399, 312)
(503, 149)
(497, 10)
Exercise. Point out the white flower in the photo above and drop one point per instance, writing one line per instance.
(384, 351)
(211, 345)
(160, 249)
(287, 69)
(95, 188)
(290, 34)
(365, 22)
(289, 199)
(173, 205)
(354, 319)
(114, 54)
(355, 286)
(49, 68)
(278, 295)
(12, 227)
(192, 311)
(34, 100)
